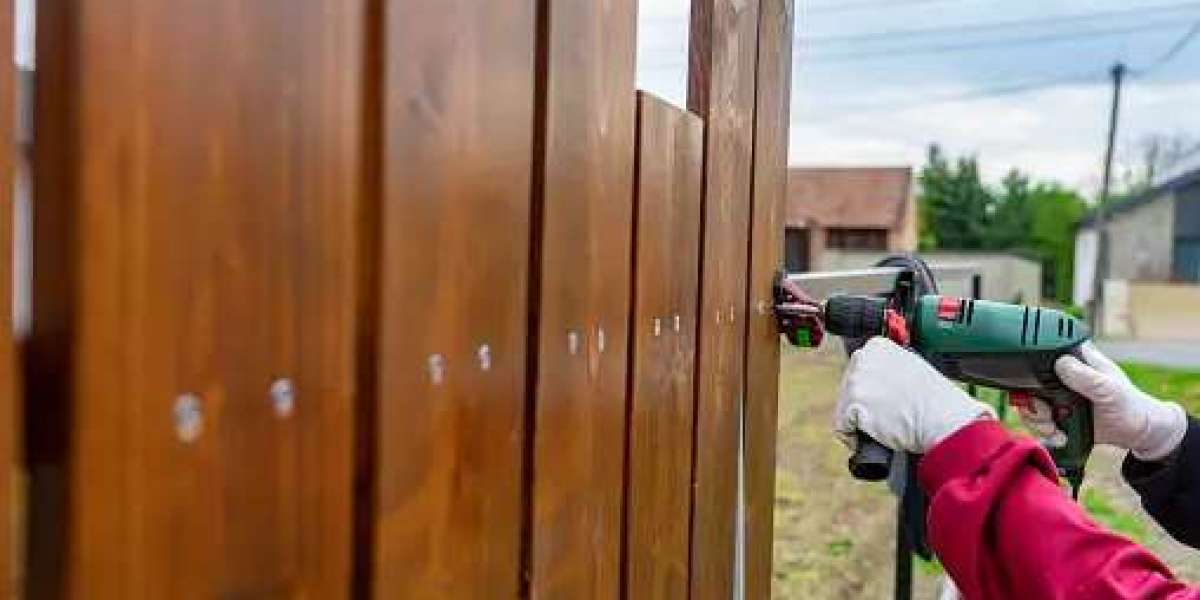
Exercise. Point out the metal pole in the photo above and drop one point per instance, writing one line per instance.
(1101, 274)
(904, 553)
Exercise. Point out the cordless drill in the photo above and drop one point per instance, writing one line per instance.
(1003, 346)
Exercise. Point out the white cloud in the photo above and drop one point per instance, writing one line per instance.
(1054, 134)
(1057, 133)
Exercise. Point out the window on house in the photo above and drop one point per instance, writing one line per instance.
(856, 239)
(796, 250)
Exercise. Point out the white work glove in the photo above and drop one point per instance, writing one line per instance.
(899, 400)
(1124, 416)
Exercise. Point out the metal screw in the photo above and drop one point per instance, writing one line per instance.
(718, 316)
(485, 358)
(732, 314)
(283, 397)
(573, 342)
(678, 325)
(189, 418)
(657, 327)
(437, 369)
(600, 339)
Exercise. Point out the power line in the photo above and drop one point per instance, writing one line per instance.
(1171, 52)
(854, 6)
(902, 51)
(977, 94)
(1002, 25)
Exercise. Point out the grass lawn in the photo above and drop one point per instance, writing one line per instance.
(1180, 385)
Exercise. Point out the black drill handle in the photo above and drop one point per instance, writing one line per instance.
(871, 460)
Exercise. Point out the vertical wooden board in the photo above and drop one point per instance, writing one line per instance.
(662, 358)
(456, 171)
(721, 90)
(585, 180)
(207, 208)
(8, 378)
(771, 126)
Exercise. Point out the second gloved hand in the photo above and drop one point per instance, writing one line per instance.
(1125, 416)
(899, 400)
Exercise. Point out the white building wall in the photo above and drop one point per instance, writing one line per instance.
(1087, 244)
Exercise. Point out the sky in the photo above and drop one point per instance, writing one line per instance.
(867, 100)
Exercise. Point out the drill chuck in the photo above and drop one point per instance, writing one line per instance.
(856, 316)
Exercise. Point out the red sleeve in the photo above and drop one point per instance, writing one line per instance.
(1004, 529)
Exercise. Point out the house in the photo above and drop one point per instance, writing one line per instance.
(849, 218)
(1154, 261)
(848, 209)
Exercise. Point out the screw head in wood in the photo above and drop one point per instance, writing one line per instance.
(437, 369)
(189, 418)
(485, 357)
(283, 397)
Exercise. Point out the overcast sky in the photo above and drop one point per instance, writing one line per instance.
(885, 109)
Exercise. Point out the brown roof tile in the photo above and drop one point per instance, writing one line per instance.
(848, 197)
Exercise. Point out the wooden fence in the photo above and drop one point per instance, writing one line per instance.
(395, 299)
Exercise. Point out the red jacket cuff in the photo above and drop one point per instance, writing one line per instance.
(962, 453)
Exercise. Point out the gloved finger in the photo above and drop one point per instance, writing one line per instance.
(849, 440)
(1058, 439)
(1089, 382)
(847, 422)
(1094, 357)
(1039, 420)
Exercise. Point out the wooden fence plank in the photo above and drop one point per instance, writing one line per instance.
(9, 385)
(457, 163)
(721, 89)
(771, 126)
(585, 185)
(203, 225)
(662, 356)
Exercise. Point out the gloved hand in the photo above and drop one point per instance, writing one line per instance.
(1125, 416)
(899, 400)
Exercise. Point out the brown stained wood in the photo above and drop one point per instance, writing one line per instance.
(666, 261)
(9, 384)
(771, 126)
(456, 170)
(585, 181)
(201, 222)
(722, 91)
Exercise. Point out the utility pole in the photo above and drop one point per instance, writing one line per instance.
(1101, 223)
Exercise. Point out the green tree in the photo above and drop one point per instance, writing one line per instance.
(1056, 212)
(1013, 214)
(955, 206)
(959, 212)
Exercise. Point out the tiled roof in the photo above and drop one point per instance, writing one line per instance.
(860, 197)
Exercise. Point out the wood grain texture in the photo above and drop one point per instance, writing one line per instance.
(9, 383)
(771, 127)
(722, 90)
(585, 186)
(458, 115)
(662, 356)
(205, 228)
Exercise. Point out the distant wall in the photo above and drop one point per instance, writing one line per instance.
(1086, 246)
(1153, 311)
(1141, 242)
(1006, 277)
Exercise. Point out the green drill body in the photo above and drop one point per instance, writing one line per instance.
(1012, 348)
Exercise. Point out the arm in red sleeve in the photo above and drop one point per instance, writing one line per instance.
(1004, 529)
